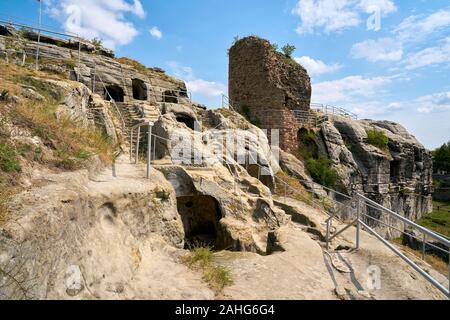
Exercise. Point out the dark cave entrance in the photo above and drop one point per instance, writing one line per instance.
(139, 90)
(170, 96)
(395, 168)
(187, 120)
(114, 92)
(200, 216)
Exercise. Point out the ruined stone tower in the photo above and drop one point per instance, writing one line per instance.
(266, 87)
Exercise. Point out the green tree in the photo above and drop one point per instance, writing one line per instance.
(288, 50)
(441, 158)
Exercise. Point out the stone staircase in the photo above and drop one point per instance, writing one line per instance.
(205, 118)
(134, 114)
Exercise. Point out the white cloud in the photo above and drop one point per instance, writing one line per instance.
(384, 6)
(437, 102)
(430, 56)
(156, 33)
(336, 15)
(348, 90)
(195, 85)
(415, 28)
(317, 67)
(383, 49)
(207, 88)
(105, 19)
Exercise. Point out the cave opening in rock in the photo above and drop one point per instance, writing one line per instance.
(114, 92)
(170, 96)
(200, 215)
(139, 90)
(395, 168)
(187, 120)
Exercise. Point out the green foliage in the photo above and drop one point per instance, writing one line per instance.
(441, 158)
(288, 50)
(322, 172)
(97, 42)
(217, 277)
(133, 63)
(378, 139)
(201, 255)
(439, 219)
(253, 120)
(275, 47)
(8, 159)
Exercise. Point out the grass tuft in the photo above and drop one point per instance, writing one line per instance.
(217, 277)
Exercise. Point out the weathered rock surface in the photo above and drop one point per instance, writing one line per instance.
(120, 233)
(399, 178)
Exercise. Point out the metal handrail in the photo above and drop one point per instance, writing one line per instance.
(425, 274)
(363, 200)
(227, 103)
(407, 221)
(40, 30)
(60, 33)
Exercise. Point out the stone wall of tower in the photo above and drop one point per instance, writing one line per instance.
(266, 86)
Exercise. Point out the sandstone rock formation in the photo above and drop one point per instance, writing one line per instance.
(99, 233)
(398, 177)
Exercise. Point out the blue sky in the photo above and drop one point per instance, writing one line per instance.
(395, 67)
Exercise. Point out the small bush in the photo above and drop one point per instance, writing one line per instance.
(378, 139)
(288, 50)
(97, 42)
(8, 159)
(275, 47)
(322, 172)
(202, 256)
(253, 120)
(219, 277)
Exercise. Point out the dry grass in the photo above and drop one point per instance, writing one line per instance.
(437, 263)
(72, 143)
(294, 188)
(133, 63)
(69, 145)
(217, 277)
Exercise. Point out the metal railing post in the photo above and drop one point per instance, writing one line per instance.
(154, 148)
(424, 246)
(39, 35)
(79, 59)
(149, 149)
(358, 223)
(131, 144)
(137, 145)
(328, 233)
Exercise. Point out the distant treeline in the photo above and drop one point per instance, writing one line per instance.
(441, 158)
